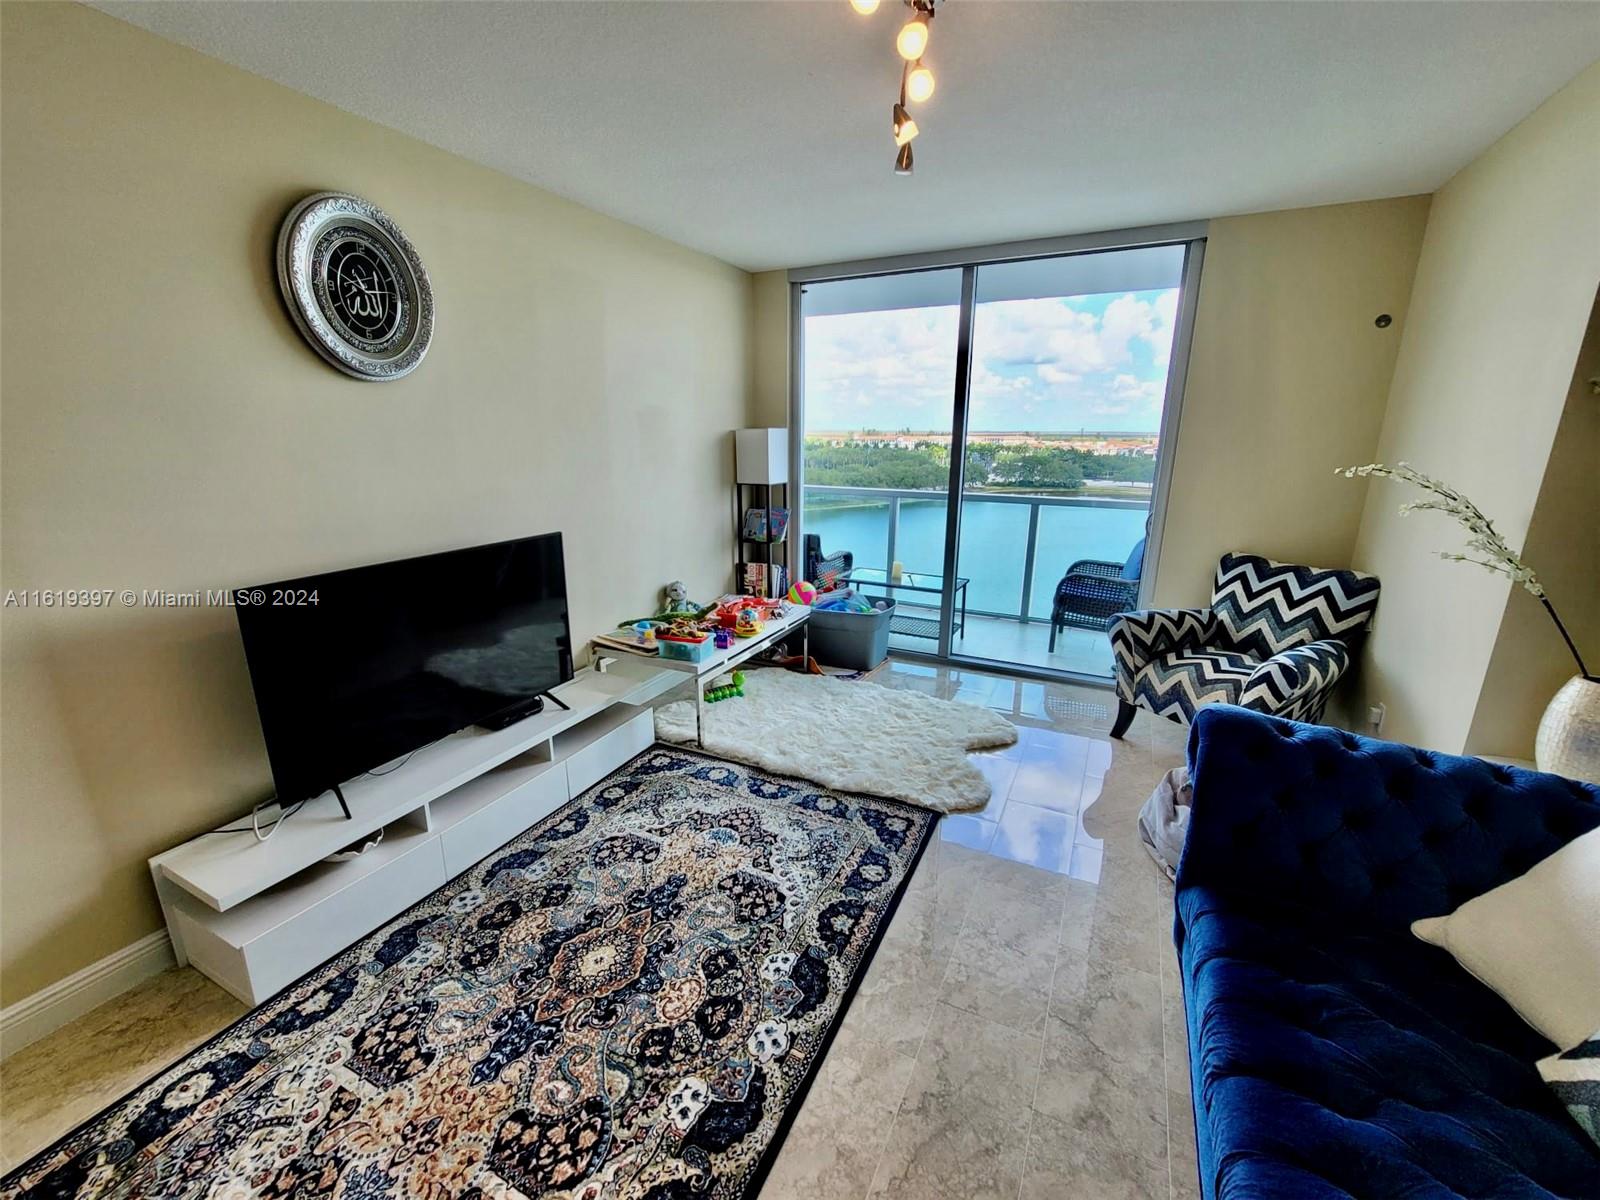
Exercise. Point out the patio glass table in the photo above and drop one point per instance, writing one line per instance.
(877, 579)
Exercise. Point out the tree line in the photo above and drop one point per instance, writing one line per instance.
(989, 464)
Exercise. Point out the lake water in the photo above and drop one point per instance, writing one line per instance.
(994, 543)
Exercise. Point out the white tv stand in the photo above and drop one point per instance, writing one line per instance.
(255, 916)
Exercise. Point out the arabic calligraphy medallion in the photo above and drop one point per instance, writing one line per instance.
(355, 286)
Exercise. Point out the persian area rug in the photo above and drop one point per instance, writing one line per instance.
(628, 1001)
(850, 734)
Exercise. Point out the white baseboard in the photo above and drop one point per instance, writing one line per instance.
(49, 1009)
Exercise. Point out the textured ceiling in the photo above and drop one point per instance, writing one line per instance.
(759, 132)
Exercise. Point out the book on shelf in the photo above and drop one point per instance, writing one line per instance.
(758, 579)
(756, 527)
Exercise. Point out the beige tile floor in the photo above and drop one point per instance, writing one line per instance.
(1019, 1034)
(1007, 640)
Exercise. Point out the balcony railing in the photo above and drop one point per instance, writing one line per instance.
(1003, 537)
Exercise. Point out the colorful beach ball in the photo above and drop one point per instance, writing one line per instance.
(803, 593)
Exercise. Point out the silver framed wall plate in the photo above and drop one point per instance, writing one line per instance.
(355, 286)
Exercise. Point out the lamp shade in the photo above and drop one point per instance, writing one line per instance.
(761, 456)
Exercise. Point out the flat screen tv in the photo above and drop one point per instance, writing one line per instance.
(355, 668)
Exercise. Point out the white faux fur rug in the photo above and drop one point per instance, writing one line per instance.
(850, 735)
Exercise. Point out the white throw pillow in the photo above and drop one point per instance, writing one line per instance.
(1536, 941)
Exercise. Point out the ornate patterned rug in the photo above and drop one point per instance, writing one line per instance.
(627, 1001)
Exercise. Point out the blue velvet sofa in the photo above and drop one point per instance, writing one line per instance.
(1332, 1053)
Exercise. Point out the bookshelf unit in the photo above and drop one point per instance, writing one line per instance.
(770, 554)
(761, 486)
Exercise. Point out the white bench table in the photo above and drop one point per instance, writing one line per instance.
(722, 661)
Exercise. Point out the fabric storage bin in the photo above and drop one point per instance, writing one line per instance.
(846, 639)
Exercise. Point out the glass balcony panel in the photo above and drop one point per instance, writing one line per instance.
(1072, 530)
(994, 554)
(846, 521)
(919, 540)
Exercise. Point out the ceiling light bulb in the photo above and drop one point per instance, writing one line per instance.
(919, 84)
(913, 39)
(865, 7)
(904, 127)
(902, 161)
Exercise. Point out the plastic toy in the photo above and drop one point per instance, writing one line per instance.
(731, 608)
(685, 651)
(724, 638)
(681, 629)
(749, 623)
(803, 593)
(727, 691)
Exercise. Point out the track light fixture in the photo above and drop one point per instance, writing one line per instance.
(919, 83)
(916, 78)
(913, 39)
(904, 127)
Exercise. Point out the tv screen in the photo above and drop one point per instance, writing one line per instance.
(358, 667)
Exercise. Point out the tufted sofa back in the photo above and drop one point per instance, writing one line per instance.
(1376, 832)
(1264, 607)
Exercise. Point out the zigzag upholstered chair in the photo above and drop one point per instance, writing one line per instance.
(1276, 638)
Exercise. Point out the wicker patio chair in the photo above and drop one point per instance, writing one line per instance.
(1093, 591)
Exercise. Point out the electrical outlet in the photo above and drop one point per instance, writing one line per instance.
(1375, 716)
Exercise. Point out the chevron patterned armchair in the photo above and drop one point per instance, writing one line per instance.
(1276, 638)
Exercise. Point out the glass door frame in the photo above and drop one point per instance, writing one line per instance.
(1191, 236)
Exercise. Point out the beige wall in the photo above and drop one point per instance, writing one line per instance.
(1503, 290)
(770, 387)
(164, 426)
(1287, 380)
(1530, 661)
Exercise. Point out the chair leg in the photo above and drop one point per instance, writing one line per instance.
(1125, 713)
(1053, 628)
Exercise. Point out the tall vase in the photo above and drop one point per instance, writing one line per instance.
(1569, 733)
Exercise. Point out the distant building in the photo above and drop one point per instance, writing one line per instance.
(1127, 445)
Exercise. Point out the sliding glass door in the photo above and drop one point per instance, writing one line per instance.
(1039, 393)
(879, 370)
(1069, 386)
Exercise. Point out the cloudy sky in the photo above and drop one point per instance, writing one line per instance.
(1063, 363)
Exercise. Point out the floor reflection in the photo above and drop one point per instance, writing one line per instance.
(1041, 785)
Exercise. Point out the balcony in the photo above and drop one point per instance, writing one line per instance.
(1014, 549)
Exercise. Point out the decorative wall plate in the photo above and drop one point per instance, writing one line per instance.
(355, 286)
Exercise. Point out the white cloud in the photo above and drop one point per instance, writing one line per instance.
(1126, 318)
(1160, 336)
(1044, 363)
(887, 369)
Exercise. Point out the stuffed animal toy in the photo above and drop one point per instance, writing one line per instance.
(677, 601)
